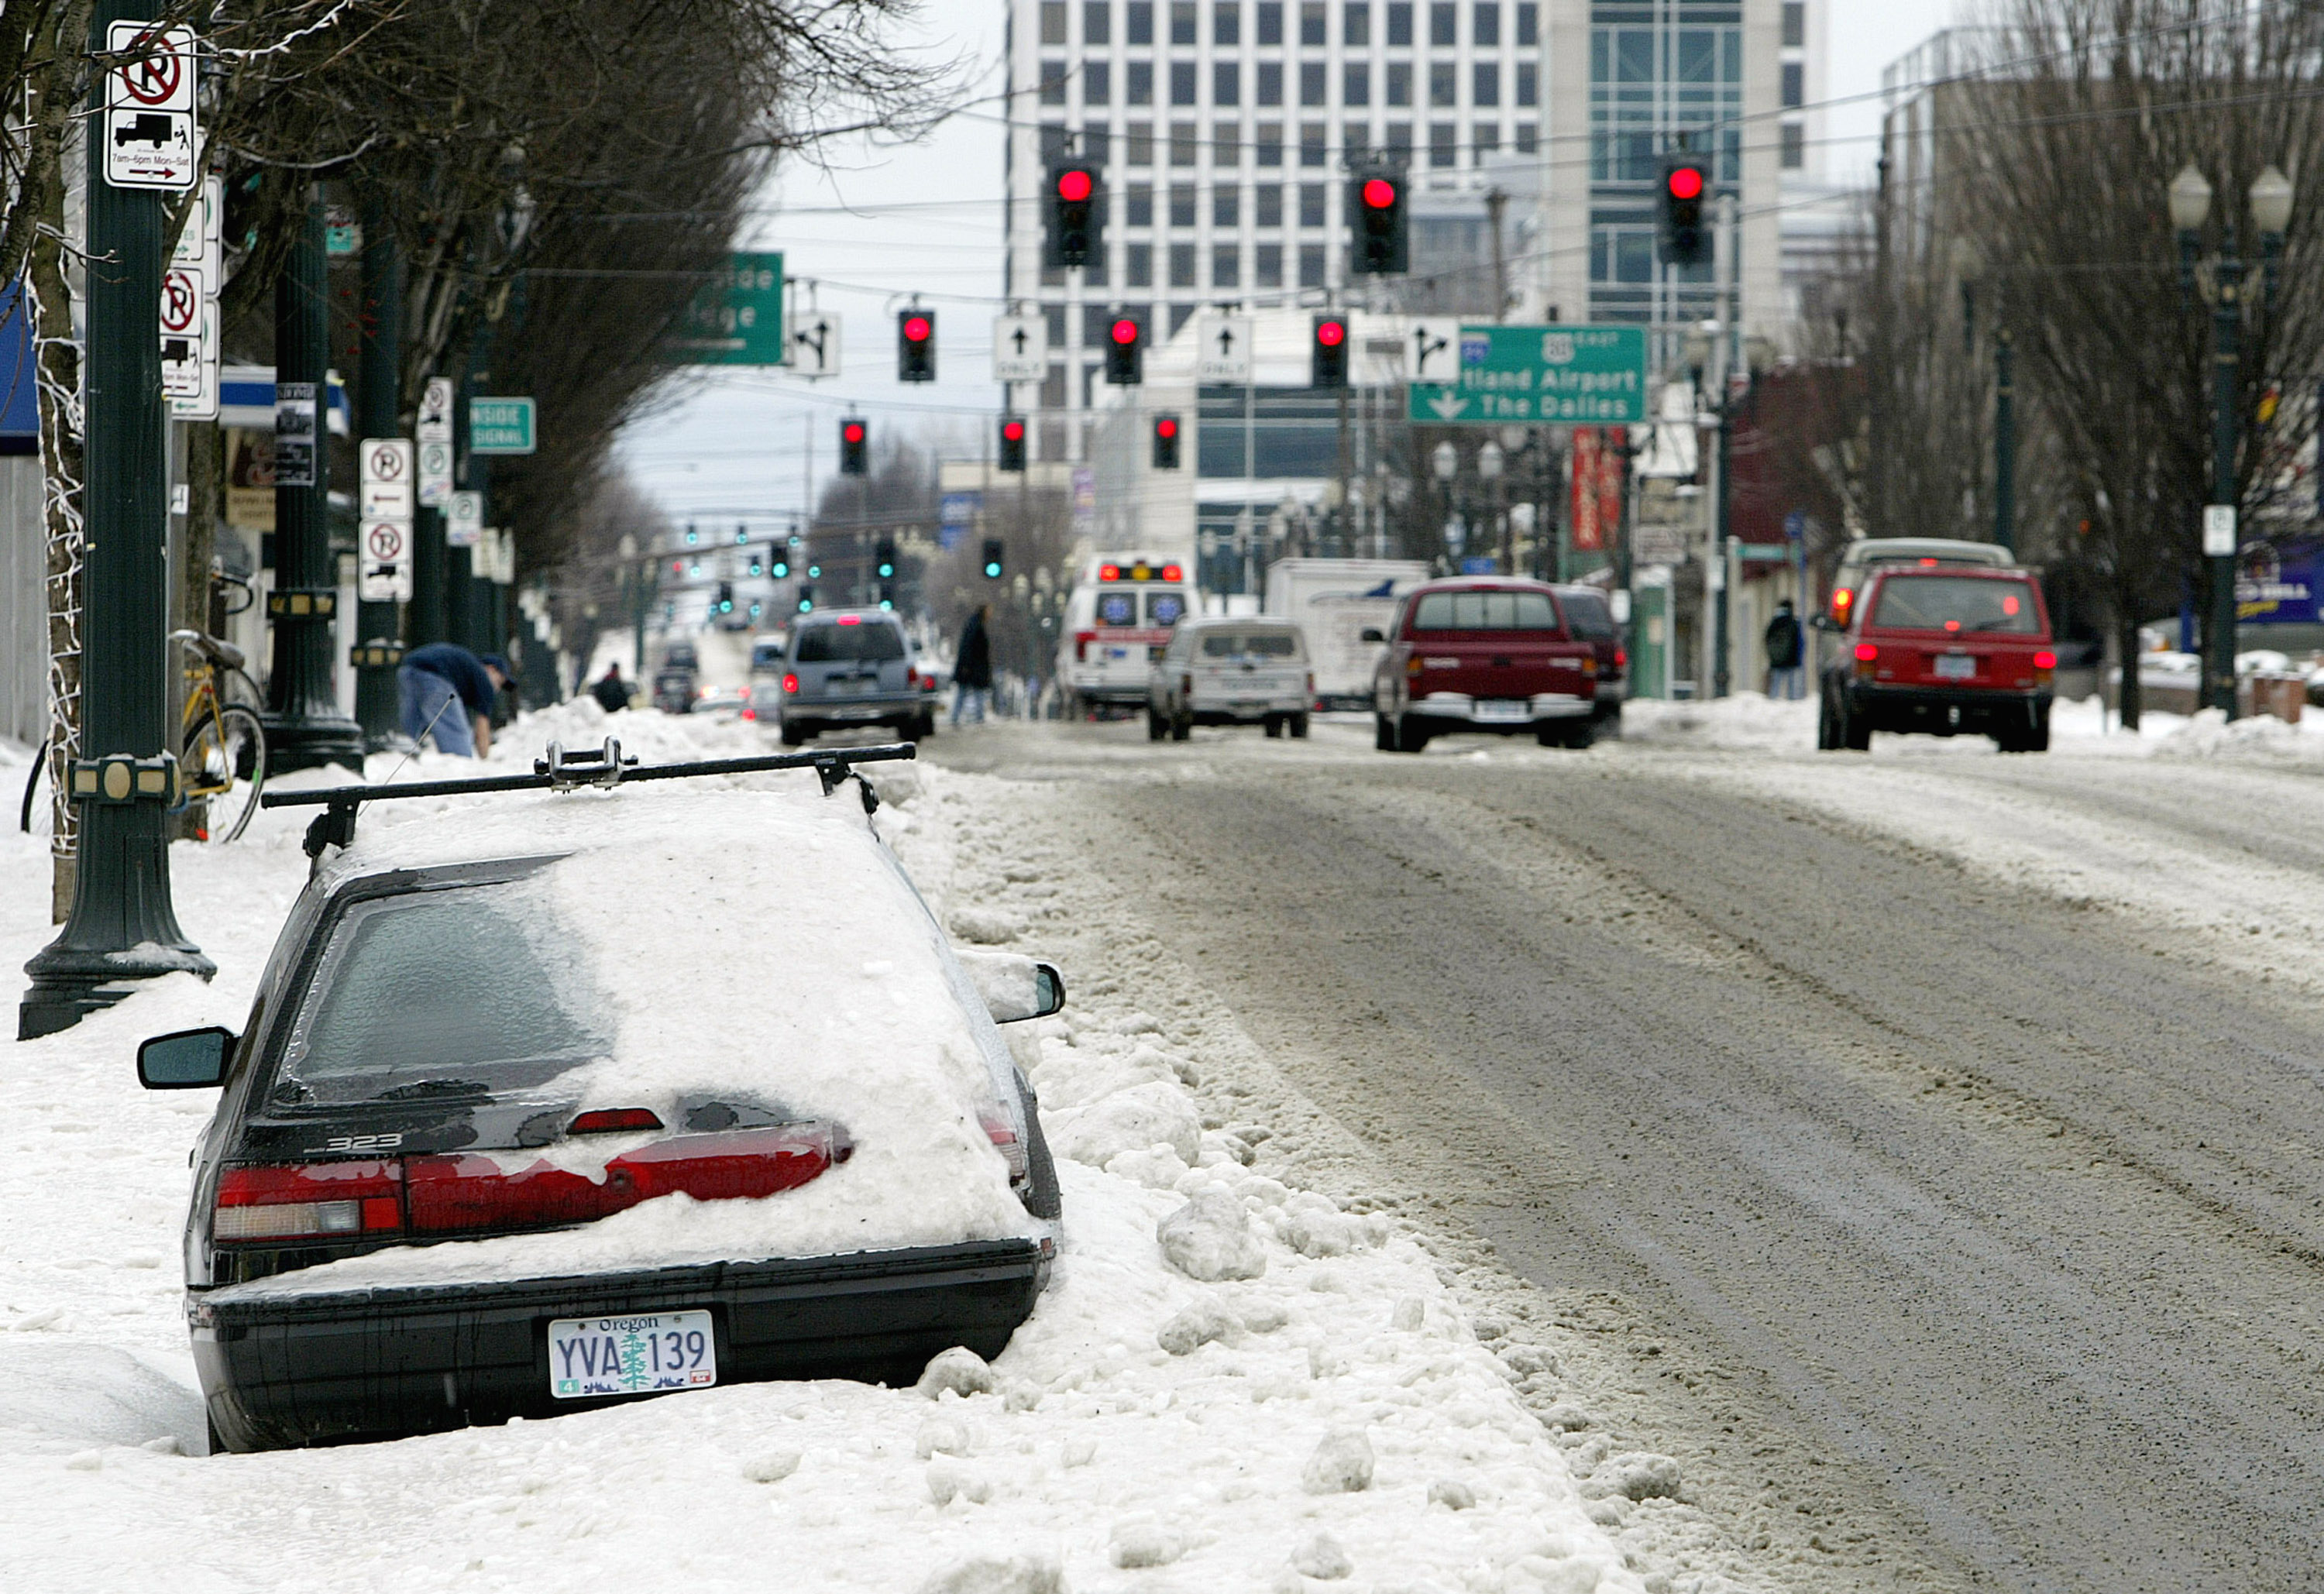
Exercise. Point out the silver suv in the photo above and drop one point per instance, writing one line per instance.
(851, 667)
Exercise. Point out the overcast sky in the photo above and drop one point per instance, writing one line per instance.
(884, 222)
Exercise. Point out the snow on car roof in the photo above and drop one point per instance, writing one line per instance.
(740, 935)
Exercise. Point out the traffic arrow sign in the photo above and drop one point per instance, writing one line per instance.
(1020, 348)
(1432, 351)
(814, 343)
(1222, 351)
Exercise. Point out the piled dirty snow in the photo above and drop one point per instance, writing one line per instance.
(1314, 1414)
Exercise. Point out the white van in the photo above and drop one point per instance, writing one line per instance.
(1119, 617)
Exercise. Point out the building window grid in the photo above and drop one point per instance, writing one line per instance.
(1647, 83)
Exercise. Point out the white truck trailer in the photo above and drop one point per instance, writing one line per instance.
(1333, 600)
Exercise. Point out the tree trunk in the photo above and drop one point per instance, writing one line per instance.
(2126, 644)
(58, 364)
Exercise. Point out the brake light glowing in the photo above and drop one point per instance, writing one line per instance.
(850, 619)
(607, 1121)
(1865, 653)
(316, 1201)
(2045, 659)
(1621, 657)
(791, 685)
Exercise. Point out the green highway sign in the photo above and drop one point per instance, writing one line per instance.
(501, 425)
(736, 318)
(1534, 375)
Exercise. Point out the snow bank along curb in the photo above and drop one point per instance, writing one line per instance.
(1317, 1417)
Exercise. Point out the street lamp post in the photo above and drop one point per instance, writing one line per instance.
(2225, 283)
(1445, 460)
(1489, 461)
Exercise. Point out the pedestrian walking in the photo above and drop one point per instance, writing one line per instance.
(612, 692)
(448, 695)
(1786, 645)
(972, 668)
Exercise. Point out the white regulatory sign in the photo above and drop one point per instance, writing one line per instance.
(1222, 351)
(434, 423)
(149, 107)
(464, 520)
(2218, 529)
(384, 479)
(435, 474)
(1432, 349)
(1020, 348)
(814, 343)
(386, 570)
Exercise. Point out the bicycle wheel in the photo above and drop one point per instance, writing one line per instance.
(224, 764)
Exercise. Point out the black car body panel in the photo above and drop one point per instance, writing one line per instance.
(1938, 712)
(289, 1370)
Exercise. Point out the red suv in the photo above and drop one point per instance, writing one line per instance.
(1483, 653)
(1943, 651)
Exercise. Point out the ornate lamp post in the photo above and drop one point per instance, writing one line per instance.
(2224, 281)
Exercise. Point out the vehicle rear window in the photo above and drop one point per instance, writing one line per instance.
(1587, 614)
(454, 992)
(837, 644)
(1485, 611)
(1260, 644)
(766, 656)
(1955, 602)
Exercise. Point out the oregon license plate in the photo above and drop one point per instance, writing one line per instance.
(1504, 709)
(1955, 667)
(640, 1355)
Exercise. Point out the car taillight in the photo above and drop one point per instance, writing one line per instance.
(1185, 685)
(912, 676)
(791, 685)
(607, 1121)
(1082, 640)
(314, 1200)
(1621, 657)
(1865, 653)
(2045, 659)
(1412, 666)
(1310, 686)
(450, 1194)
(1004, 1138)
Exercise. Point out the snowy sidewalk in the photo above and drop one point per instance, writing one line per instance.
(1313, 1410)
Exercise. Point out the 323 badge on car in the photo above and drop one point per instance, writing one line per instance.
(643, 1354)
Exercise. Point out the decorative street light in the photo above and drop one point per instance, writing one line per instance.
(2225, 283)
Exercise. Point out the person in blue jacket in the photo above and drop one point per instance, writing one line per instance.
(447, 695)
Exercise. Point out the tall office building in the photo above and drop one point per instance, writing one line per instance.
(1226, 127)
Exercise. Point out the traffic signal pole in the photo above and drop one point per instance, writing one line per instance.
(123, 926)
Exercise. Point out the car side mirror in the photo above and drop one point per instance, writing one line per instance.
(189, 1060)
(1372, 634)
(1823, 623)
(1014, 987)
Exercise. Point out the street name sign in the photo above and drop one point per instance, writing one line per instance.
(1535, 375)
(149, 107)
(1020, 348)
(501, 425)
(1222, 351)
(736, 318)
(814, 343)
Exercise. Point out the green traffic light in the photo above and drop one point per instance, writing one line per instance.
(993, 572)
(814, 572)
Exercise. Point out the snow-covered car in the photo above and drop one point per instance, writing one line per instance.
(530, 1114)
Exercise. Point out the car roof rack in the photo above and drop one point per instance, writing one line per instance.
(562, 770)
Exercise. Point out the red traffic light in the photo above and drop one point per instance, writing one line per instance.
(1167, 427)
(1072, 185)
(1013, 430)
(1379, 193)
(1330, 334)
(852, 432)
(1685, 182)
(917, 328)
(1125, 332)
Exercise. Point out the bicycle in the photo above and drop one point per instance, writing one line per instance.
(222, 745)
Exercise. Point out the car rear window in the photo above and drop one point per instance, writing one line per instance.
(837, 644)
(1256, 644)
(1485, 611)
(1955, 602)
(1587, 614)
(766, 656)
(456, 991)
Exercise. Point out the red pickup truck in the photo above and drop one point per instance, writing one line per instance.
(1945, 651)
(1483, 653)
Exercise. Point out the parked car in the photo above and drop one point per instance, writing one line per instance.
(850, 667)
(1118, 618)
(1484, 653)
(1868, 554)
(1590, 618)
(1249, 670)
(440, 1185)
(1945, 650)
